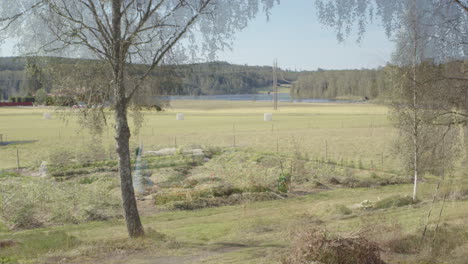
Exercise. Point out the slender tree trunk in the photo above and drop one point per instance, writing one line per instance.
(415, 137)
(415, 108)
(122, 130)
(132, 218)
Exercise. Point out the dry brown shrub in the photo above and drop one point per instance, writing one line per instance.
(317, 245)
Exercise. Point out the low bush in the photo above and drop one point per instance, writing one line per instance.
(284, 182)
(199, 203)
(394, 201)
(341, 209)
(318, 245)
(191, 194)
(164, 198)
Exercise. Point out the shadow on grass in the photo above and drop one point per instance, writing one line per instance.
(6, 143)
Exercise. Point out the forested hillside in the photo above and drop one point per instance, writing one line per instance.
(24, 76)
(341, 83)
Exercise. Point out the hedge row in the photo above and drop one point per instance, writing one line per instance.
(24, 99)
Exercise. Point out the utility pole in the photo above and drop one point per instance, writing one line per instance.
(275, 85)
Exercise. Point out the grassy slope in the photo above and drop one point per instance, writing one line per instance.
(251, 233)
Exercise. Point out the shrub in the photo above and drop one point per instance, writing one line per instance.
(342, 210)
(224, 190)
(41, 96)
(50, 100)
(394, 201)
(87, 180)
(164, 198)
(202, 202)
(24, 217)
(319, 245)
(284, 182)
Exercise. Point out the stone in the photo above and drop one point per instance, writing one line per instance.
(267, 117)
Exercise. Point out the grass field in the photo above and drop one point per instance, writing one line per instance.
(335, 131)
(339, 156)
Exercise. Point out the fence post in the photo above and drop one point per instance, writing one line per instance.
(17, 159)
(277, 144)
(382, 160)
(326, 150)
(234, 134)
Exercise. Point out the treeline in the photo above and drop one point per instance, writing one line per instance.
(331, 84)
(222, 78)
(24, 76)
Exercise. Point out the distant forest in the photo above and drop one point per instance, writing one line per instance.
(332, 84)
(22, 76)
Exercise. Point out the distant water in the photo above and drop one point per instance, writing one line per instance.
(282, 97)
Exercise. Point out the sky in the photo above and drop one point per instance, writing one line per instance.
(298, 41)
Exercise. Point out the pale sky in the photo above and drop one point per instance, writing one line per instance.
(295, 38)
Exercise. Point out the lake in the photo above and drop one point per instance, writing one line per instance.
(282, 97)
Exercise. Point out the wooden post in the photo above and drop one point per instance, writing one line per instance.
(326, 150)
(17, 159)
(234, 135)
(277, 144)
(382, 159)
